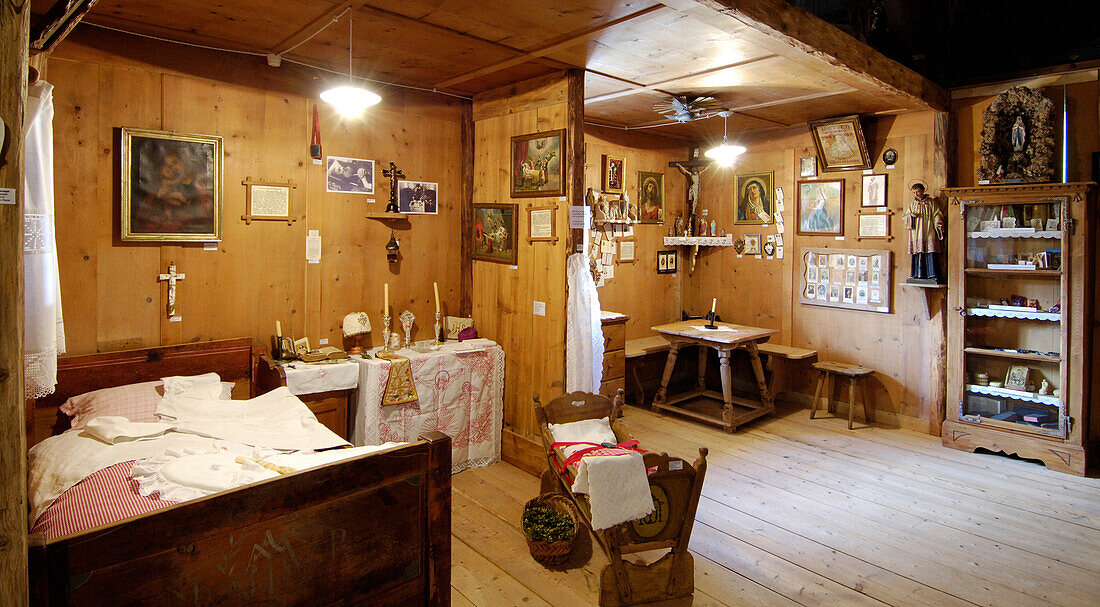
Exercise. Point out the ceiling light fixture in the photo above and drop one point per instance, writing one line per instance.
(350, 100)
(725, 154)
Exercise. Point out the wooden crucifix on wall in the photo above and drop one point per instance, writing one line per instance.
(394, 174)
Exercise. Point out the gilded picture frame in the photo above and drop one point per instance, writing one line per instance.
(171, 186)
(651, 197)
(495, 233)
(755, 205)
(614, 174)
(538, 165)
(840, 144)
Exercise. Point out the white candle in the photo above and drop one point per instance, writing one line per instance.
(435, 286)
(386, 300)
(278, 328)
(713, 303)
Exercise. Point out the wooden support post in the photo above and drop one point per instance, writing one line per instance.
(937, 313)
(14, 42)
(466, 263)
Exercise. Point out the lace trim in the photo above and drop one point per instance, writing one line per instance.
(40, 373)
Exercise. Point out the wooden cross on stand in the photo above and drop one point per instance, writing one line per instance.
(171, 277)
(394, 174)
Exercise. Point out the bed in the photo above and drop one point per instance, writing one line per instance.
(309, 537)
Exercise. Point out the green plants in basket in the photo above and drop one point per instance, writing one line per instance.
(545, 525)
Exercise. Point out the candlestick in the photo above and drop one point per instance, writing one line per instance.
(435, 286)
(438, 333)
(385, 333)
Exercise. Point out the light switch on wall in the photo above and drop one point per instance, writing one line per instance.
(539, 308)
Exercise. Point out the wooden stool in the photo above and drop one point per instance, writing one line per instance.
(854, 373)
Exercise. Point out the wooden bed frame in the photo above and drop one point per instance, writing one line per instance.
(675, 485)
(375, 529)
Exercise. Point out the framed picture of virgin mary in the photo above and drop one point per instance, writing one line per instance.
(171, 186)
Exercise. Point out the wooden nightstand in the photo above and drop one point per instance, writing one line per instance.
(331, 408)
(614, 355)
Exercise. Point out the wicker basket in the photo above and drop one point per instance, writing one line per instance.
(554, 553)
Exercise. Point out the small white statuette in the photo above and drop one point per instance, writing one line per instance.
(1044, 388)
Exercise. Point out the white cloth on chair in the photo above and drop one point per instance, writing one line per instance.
(617, 488)
(583, 330)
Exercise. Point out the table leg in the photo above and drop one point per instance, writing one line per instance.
(701, 383)
(727, 388)
(670, 364)
(758, 370)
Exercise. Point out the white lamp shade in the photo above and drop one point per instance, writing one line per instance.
(725, 154)
(349, 101)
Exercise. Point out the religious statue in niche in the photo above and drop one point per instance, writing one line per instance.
(1017, 144)
(925, 222)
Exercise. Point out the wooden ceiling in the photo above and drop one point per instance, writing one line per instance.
(772, 64)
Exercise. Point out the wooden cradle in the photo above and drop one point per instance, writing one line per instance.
(675, 485)
(308, 538)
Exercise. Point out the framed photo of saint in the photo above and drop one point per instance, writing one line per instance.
(651, 197)
(820, 208)
(754, 198)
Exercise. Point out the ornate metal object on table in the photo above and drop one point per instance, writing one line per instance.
(407, 320)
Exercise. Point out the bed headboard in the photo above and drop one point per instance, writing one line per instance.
(230, 358)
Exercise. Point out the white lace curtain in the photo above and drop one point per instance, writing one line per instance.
(583, 330)
(44, 332)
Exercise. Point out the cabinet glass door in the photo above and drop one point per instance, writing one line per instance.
(1012, 287)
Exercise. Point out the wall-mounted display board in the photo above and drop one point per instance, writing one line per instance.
(853, 279)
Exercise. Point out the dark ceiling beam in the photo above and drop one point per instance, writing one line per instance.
(49, 30)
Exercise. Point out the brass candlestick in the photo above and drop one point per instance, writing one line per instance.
(385, 335)
(438, 325)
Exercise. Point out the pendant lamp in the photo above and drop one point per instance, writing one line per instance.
(350, 100)
(725, 154)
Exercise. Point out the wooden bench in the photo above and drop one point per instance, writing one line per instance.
(778, 357)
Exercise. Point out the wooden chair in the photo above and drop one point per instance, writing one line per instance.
(675, 485)
(855, 374)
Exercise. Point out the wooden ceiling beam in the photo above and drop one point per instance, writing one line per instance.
(802, 37)
(565, 41)
(59, 20)
(656, 85)
(313, 27)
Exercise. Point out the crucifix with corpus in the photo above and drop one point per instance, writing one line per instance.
(693, 170)
(171, 278)
(394, 174)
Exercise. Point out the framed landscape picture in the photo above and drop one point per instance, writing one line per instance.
(840, 144)
(494, 235)
(754, 198)
(171, 186)
(651, 197)
(537, 165)
(820, 208)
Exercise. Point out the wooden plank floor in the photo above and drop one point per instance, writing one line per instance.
(801, 512)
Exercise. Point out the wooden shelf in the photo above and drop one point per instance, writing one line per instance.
(384, 216)
(1032, 397)
(700, 241)
(1036, 315)
(1054, 234)
(1041, 358)
(1028, 273)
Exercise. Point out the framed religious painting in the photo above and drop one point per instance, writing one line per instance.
(754, 198)
(873, 191)
(171, 186)
(538, 165)
(614, 169)
(840, 144)
(820, 208)
(651, 197)
(495, 233)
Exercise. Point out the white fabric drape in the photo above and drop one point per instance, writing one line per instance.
(44, 332)
(583, 331)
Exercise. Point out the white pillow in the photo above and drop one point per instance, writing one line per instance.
(185, 383)
(585, 431)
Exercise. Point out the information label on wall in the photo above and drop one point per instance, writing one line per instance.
(7, 196)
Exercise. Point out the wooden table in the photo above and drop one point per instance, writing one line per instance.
(684, 333)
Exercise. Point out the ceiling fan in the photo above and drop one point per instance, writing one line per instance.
(685, 108)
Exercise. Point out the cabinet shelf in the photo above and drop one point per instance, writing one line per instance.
(1002, 273)
(1050, 316)
(1040, 358)
(702, 241)
(1055, 234)
(1031, 397)
(384, 215)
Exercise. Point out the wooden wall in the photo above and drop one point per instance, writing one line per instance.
(503, 296)
(902, 347)
(258, 273)
(637, 290)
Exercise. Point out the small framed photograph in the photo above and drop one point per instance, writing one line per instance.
(811, 274)
(834, 293)
(537, 165)
(301, 346)
(820, 208)
(754, 203)
(752, 244)
(171, 186)
(807, 166)
(890, 157)
(874, 191)
(613, 170)
(662, 262)
(840, 144)
(349, 175)
(849, 295)
(666, 262)
(418, 197)
(821, 288)
(826, 275)
(1016, 378)
(494, 233)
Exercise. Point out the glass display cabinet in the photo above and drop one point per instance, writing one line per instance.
(1020, 288)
